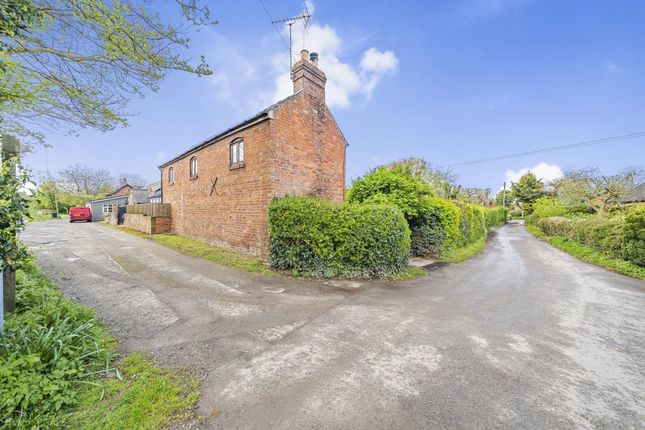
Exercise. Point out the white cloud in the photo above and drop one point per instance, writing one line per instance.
(344, 80)
(612, 69)
(545, 172)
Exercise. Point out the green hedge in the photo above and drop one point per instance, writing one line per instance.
(496, 216)
(319, 238)
(612, 237)
(633, 246)
(436, 229)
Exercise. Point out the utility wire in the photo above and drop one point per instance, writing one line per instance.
(554, 148)
(275, 26)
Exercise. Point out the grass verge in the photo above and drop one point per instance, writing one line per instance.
(459, 255)
(57, 369)
(246, 263)
(144, 397)
(590, 255)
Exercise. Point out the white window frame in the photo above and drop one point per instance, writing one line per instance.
(236, 153)
(192, 167)
(110, 208)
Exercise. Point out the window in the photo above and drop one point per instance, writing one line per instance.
(237, 152)
(107, 208)
(193, 167)
(171, 175)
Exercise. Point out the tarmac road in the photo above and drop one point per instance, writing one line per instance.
(521, 336)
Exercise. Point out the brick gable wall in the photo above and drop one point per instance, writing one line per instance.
(299, 151)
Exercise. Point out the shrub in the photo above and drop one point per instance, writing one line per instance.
(553, 226)
(316, 237)
(395, 185)
(633, 246)
(435, 229)
(599, 234)
(472, 223)
(496, 216)
(545, 207)
(51, 346)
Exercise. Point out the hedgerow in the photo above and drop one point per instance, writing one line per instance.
(436, 228)
(496, 216)
(633, 244)
(315, 237)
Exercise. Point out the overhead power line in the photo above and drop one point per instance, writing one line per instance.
(286, 45)
(553, 148)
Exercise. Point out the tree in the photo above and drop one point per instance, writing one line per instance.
(442, 181)
(476, 196)
(589, 187)
(76, 63)
(526, 191)
(85, 182)
(504, 199)
(395, 185)
(133, 179)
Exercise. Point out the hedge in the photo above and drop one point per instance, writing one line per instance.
(318, 238)
(612, 237)
(436, 229)
(496, 217)
(633, 245)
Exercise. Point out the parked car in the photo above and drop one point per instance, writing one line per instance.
(80, 214)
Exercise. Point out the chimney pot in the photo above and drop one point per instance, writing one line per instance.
(313, 57)
(304, 55)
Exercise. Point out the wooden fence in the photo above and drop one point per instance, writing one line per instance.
(149, 209)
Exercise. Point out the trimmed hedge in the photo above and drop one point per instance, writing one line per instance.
(436, 229)
(496, 216)
(472, 223)
(318, 238)
(606, 236)
(633, 246)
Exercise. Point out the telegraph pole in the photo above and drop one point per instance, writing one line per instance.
(504, 195)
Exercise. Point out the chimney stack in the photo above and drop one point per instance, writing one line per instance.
(308, 77)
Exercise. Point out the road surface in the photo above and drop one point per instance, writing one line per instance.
(521, 336)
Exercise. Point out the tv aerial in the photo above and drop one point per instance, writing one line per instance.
(290, 21)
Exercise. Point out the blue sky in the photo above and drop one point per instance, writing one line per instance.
(448, 81)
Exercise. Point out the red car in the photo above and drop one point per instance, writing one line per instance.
(80, 214)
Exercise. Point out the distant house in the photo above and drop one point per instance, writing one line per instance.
(220, 189)
(636, 196)
(154, 192)
(125, 194)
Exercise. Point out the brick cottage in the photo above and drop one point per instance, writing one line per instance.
(220, 189)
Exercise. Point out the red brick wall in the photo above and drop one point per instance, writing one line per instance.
(300, 151)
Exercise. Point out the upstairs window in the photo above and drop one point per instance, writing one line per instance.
(237, 152)
(193, 167)
(171, 175)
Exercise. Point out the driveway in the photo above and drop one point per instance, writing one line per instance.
(522, 336)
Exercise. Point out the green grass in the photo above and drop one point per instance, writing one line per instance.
(246, 263)
(590, 255)
(459, 255)
(58, 370)
(145, 397)
(45, 217)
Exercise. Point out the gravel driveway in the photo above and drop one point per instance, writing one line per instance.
(522, 336)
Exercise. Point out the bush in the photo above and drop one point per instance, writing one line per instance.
(601, 235)
(553, 226)
(496, 216)
(545, 207)
(316, 237)
(395, 185)
(633, 246)
(472, 223)
(436, 228)
(51, 346)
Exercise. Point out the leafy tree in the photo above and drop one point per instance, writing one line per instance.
(13, 209)
(76, 63)
(504, 199)
(475, 196)
(589, 187)
(85, 182)
(526, 191)
(396, 185)
(442, 181)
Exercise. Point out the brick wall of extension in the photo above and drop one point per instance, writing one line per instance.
(296, 149)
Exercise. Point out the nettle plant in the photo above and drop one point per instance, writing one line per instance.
(13, 210)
